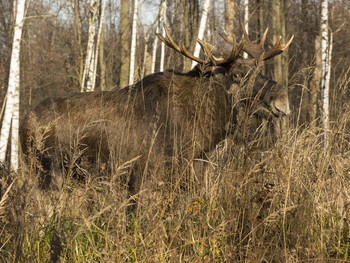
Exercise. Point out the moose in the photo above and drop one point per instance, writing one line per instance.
(165, 117)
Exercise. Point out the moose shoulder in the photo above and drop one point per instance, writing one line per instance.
(164, 117)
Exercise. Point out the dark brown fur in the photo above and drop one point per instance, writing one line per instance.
(164, 117)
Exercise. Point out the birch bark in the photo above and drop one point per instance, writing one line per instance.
(87, 83)
(325, 57)
(246, 21)
(154, 52)
(133, 44)
(201, 29)
(98, 44)
(163, 22)
(11, 112)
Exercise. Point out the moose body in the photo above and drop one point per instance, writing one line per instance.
(164, 117)
(179, 114)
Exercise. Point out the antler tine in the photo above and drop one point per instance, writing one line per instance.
(186, 53)
(277, 48)
(171, 43)
(171, 40)
(234, 51)
(225, 37)
(263, 38)
(207, 51)
(254, 50)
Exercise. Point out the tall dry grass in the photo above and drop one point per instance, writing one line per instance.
(289, 202)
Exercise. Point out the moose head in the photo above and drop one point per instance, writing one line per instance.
(236, 71)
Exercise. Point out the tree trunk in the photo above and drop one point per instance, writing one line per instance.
(102, 64)
(201, 29)
(133, 43)
(229, 16)
(280, 63)
(261, 18)
(125, 43)
(88, 81)
(315, 83)
(190, 23)
(261, 25)
(154, 52)
(163, 22)
(12, 103)
(98, 41)
(246, 20)
(147, 57)
(326, 66)
(305, 95)
(279, 14)
(78, 35)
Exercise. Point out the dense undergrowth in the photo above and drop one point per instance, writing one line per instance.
(289, 203)
(250, 201)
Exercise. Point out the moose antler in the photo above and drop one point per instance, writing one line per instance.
(171, 43)
(256, 50)
(236, 49)
(207, 48)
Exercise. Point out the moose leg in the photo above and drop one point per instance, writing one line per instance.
(45, 173)
(51, 176)
(57, 174)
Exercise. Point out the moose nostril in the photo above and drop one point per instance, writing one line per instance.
(280, 108)
(281, 105)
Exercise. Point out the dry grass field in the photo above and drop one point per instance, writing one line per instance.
(289, 202)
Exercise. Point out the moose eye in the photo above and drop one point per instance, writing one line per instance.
(236, 76)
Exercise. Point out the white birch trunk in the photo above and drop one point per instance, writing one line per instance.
(325, 52)
(162, 50)
(201, 29)
(246, 21)
(90, 50)
(14, 129)
(12, 102)
(98, 42)
(154, 52)
(133, 43)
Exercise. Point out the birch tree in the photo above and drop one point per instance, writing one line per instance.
(133, 43)
(190, 24)
(280, 65)
(246, 20)
(98, 43)
(202, 26)
(163, 22)
(154, 52)
(326, 66)
(155, 43)
(11, 112)
(89, 75)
